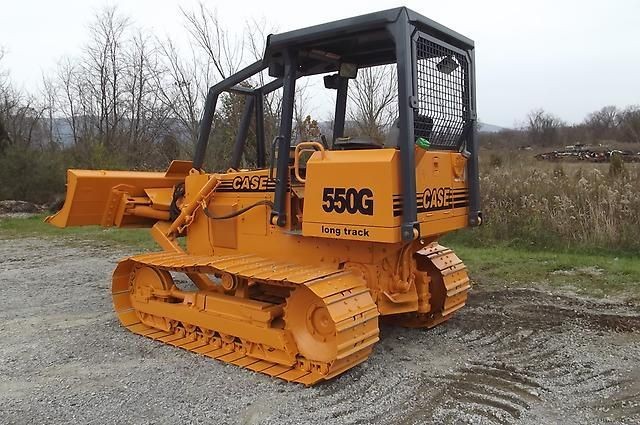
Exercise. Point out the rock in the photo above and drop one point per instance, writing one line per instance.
(12, 207)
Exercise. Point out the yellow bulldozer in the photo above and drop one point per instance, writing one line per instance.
(295, 262)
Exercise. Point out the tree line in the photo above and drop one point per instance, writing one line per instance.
(130, 98)
(607, 125)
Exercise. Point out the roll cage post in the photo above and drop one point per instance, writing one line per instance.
(401, 32)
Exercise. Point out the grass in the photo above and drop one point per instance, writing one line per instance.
(601, 274)
(34, 226)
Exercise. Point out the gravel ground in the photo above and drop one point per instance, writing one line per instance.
(512, 356)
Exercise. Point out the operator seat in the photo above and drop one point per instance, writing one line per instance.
(423, 128)
(355, 143)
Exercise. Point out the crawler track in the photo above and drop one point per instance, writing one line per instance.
(450, 282)
(449, 285)
(343, 335)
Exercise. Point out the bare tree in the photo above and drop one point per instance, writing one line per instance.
(224, 52)
(629, 124)
(146, 115)
(256, 34)
(181, 88)
(603, 123)
(301, 113)
(19, 113)
(67, 96)
(373, 98)
(543, 127)
(4, 135)
(113, 93)
(103, 69)
(22, 118)
(3, 73)
(49, 94)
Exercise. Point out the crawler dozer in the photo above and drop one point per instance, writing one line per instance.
(295, 262)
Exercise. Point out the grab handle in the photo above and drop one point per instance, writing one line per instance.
(304, 147)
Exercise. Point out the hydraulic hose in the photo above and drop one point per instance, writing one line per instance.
(236, 213)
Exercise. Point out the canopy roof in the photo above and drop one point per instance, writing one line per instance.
(364, 40)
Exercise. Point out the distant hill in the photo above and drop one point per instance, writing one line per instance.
(489, 128)
(62, 131)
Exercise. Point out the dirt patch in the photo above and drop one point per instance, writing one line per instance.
(511, 356)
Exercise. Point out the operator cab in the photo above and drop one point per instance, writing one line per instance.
(436, 110)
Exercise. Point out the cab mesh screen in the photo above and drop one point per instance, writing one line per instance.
(443, 114)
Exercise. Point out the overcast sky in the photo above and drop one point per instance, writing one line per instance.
(569, 57)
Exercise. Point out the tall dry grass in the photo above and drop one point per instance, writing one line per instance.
(593, 206)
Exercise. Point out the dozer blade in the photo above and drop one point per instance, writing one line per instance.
(93, 196)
